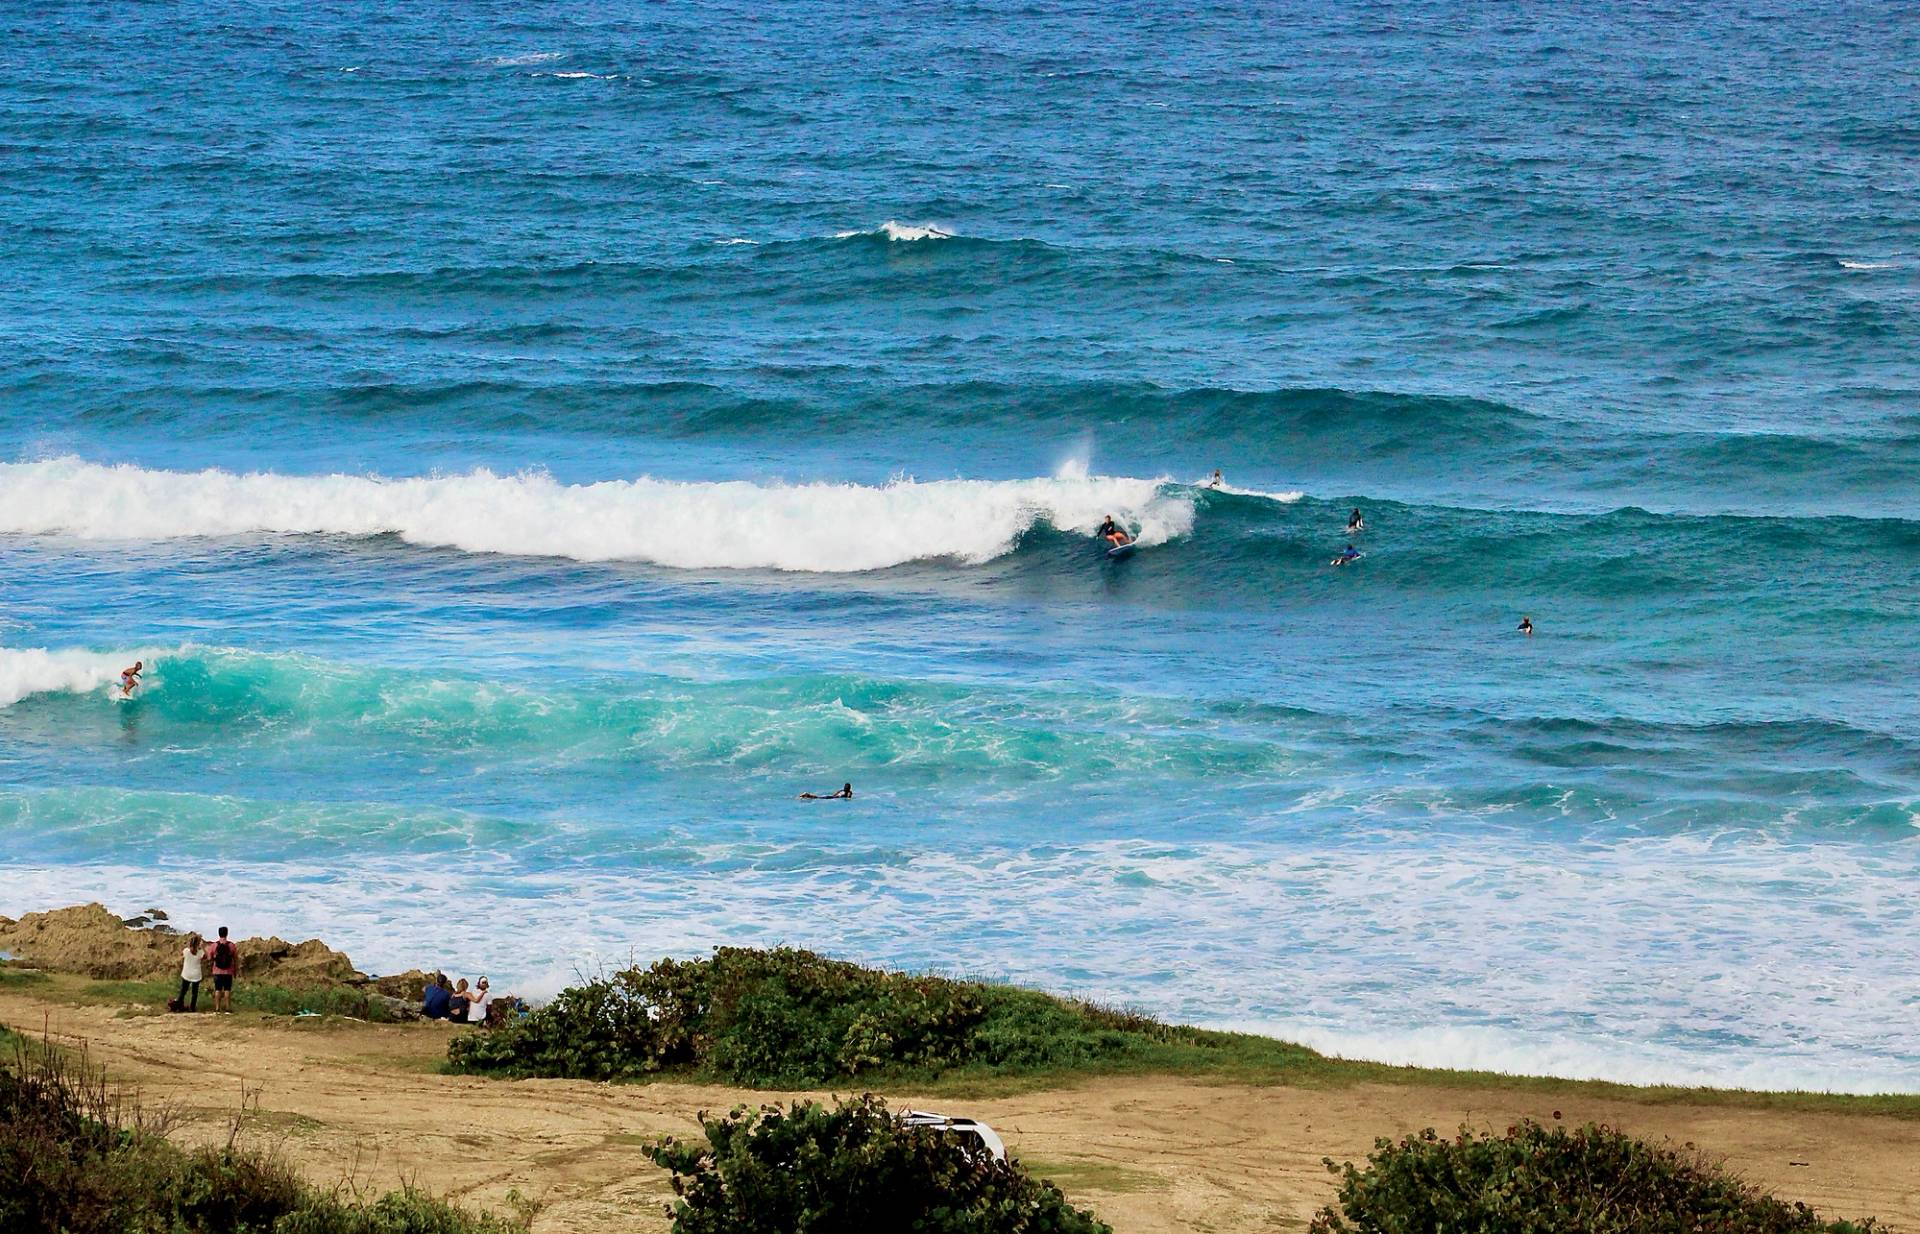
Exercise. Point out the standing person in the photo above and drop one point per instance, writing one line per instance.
(193, 970)
(226, 966)
(130, 679)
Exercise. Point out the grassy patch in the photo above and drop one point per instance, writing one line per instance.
(790, 1019)
(260, 999)
(1075, 1175)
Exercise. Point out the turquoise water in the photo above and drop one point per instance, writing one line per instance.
(530, 445)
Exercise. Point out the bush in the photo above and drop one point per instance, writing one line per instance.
(792, 1018)
(75, 1158)
(1533, 1179)
(851, 1170)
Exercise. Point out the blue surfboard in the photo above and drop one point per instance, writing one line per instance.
(1119, 551)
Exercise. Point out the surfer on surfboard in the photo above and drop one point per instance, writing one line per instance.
(1115, 532)
(1347, 558)
(130, 679)
(845, 794)
(1355, 524)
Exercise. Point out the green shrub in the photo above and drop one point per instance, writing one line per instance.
(851, 1170)
(792, 1018)
(1535, 1179)
(76, 1158)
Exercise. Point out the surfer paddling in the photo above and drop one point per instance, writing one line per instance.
(1350, 556)
(1115, 533)
(130, 679)
(845, 794)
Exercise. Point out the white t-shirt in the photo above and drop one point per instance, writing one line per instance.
(477, 1001)
(192, 964)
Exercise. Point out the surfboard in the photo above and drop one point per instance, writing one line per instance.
(1120, 551)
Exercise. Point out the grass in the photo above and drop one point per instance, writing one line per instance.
(1161, 1050)
(267, 1000)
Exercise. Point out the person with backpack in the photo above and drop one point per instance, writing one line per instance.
(226, 966)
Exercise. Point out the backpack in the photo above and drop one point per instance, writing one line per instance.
(223, 954)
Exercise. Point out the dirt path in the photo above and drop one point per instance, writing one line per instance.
(1151, 1156)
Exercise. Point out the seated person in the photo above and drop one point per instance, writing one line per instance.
(437, 1002)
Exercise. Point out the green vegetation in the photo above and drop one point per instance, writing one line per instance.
(1533, 1178)
(792, 1018)
(247, 996)
(79, 1159)
(849, 1170)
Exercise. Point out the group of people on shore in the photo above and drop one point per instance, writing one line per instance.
(198, 961)
(456, 1003)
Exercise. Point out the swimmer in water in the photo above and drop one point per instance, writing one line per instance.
(845, 794)
(1115, 532)
(130, 679)
(1526, 626)
(1352, 554)
(1355, 524)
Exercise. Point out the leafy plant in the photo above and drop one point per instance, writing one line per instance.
(1534, 1180)
(849, 1170)
(787, 1017)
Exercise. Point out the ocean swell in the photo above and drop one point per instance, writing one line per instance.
(821, 527)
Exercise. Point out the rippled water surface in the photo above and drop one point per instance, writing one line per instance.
(530, 444)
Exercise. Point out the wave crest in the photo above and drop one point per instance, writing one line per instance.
(816, 527)
(25, 672)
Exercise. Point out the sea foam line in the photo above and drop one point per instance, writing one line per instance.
(820, 526)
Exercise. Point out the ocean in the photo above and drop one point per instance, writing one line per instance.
(530, 444)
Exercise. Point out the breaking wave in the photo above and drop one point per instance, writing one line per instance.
(819, 527)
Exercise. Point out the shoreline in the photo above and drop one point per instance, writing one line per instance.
(90, 941)
(1151, 1154)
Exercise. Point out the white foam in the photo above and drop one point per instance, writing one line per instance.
(1866, 265)
(900, 232)
(532, 57)
(823, 527)
(25, 672)
(736, 240)
(1285, 497)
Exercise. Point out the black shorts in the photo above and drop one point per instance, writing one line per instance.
(223, 981)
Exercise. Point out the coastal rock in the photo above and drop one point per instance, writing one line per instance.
(408, 986)
(91, 941)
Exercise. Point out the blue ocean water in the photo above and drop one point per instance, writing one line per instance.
(530, 444)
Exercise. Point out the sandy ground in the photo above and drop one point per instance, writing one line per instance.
(361, 1103)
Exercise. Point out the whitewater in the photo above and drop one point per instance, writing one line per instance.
(814, 526)
(513, 525)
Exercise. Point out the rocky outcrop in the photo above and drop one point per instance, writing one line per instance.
(89, 940)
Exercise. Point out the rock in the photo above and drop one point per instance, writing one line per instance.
(410, 985)
(89, 940)
(396, 1008)
(157, 915)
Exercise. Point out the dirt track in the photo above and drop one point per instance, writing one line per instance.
(1151, 1156)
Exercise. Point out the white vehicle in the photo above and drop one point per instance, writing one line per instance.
(977, 1131)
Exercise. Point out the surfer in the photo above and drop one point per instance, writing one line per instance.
(1526, 626)
(1115, 532)
(845, 794)
(1351, 555)
(130, 679)
(1218, 479)
(1355, 524)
